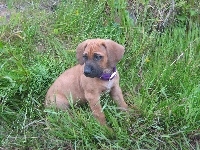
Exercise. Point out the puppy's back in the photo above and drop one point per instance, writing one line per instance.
(65, 87)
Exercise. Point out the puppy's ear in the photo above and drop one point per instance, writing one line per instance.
(115, 52)
(79, 52)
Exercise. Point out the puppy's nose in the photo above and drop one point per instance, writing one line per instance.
(87, 70)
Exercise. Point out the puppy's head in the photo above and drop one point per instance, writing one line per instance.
(98, 56)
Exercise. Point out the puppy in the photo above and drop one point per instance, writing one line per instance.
(96, 73)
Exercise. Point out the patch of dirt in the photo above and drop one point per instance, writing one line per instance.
(4, 12)
(48, 6)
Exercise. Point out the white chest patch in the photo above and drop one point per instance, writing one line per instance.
(109, 85)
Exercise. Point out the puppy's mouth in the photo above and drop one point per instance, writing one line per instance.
(92, 72)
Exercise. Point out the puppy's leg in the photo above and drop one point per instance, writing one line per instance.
(62, 102)
(116, 94)
(95, 106)
(58, 100)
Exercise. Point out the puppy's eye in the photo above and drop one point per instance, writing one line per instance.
(85, 57)
(97, 57)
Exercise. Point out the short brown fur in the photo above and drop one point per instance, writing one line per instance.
(73, 82)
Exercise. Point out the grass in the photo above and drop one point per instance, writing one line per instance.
(159, 78)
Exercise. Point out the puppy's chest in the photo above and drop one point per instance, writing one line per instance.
(108, 85)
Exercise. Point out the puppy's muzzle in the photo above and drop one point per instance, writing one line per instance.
(92, 71)
(88, 71)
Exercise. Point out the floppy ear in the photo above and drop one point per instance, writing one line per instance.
(115, 52)
(79, 52)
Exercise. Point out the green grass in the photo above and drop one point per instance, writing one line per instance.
(159, 79)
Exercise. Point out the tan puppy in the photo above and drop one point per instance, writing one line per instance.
(85, 82)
